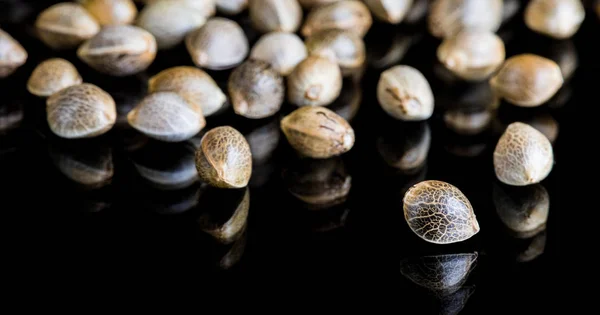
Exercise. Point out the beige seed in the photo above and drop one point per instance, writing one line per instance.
(404, 93)
(349, 15)
(343, 47)
(282, 50)
(527, 80)
(51, 76)
(119, 50)
(219, 44)
(523, 210)
(559, 19)
(66, 25)
(316, 81)
(80, 111)
(439, 213)
(256, 90)
(275, 15)
(472, 55)
(111, 12)
(448, 17)
(167, 116)
(12, 54)
(227, 215)
(192, 83)
(317, 132)
(390, 11)
(231, 7)
(523, 156)
(224, 159)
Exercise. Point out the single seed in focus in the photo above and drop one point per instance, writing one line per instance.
(12, 54)
(404, 93)
(352, 15)
(523, 156)
(80, 111)
(224, 159)
(282, 50)
(111, 12)
(51, 76)
(343, 47)
(527, 80)
(439, 213)
(317, 132)
(65, 25)
(275, 15)
(448, 17)
(559, 19)
(256, 89)
(390, 11)
(316, 81)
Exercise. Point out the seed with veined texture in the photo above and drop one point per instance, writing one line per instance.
(256, 89)
(472, 54)
(167, 116)
(170, 21)
(390, 11)
(404, 93)
(224, 159)
(523, 210)
(317, 132)
(439, 213)
(344, 47)
(111, 12)
(527, 80)
(523, 156)
(282, 50)
(12, 54)
(226, 213)
(231, 7)
(316, 81)
(52, 76)
(65, 25)
(313, 3)
(555, 18)
(353, 16)
(219, 44)
(119, 50)
(449, 17)
(80, 111)
(193, 84)
(275, 15)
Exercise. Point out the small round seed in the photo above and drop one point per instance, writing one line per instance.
(51, 76)
(559, 19)
(343, 47)
(316, 81)
(448, 17)
(12, 54)
(275, 15)
(353, 16)
(282, 50)
(404, 93)
(66, 25)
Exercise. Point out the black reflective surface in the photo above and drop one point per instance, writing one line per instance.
(123, 205)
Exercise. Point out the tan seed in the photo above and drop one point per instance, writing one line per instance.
(316, 81)
(559, 19)
(390, 11)
(66, 25)
(343, 47)
(111, 12)
(351, 15)
(12, 54)
(51, 76)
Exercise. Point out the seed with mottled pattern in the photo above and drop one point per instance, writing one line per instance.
(275, 15)
(523, 156)
(316, 81)
(119, 50)
(81, 111)
(192, 83)
(353, 16)
(111, 12)
(439, 213)
(51, 76)
(12, 54)
(317, 132)
(449, 17)
(559, 19)
(282, 50)
(224, 159)
(167, 116)
(404, 93)
(65, 25)
(390, 11)
(523, 210)
(343, 47)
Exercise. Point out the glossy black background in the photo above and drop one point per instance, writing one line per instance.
(52, 232)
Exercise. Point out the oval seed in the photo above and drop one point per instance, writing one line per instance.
(559, 19)
(227, 213)
(119, 50)
(80, 111)
(472, 55)
(111, 12)
(66, 25)
(282, 50)
(449, 17)
(390, 11)
(523, 156)
(167, 116)
(224, 159)
(404, 93)
(275, 15)
(12, 54)
(523, 210)
(439, 213)
(343, 47)
(317, 132)
(527, 80)
(316, 81)
(51, 76)
(231, 7)
(170, 21)
(353, 16)
(192, 83)
(256, 90)
(219, 44)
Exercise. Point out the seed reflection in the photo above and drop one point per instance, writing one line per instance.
(87, 164)
(405, 146)
(225, 213)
